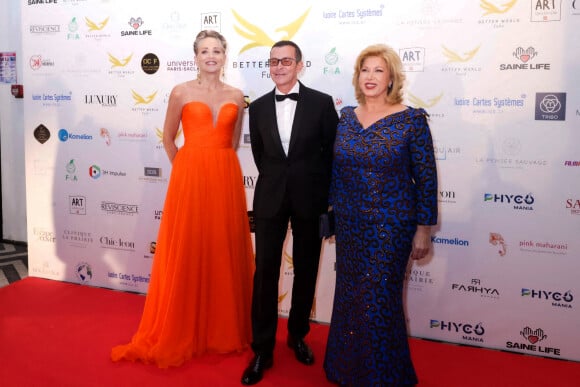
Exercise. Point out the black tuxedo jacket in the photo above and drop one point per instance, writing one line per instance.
(303, 177)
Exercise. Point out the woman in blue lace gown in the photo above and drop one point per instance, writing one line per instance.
(384, 195)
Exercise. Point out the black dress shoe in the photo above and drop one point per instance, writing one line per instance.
(255, 371)
(303, 353)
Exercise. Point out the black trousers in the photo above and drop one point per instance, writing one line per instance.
(270, 234)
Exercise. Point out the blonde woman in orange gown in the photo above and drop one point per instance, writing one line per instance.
(199, 296)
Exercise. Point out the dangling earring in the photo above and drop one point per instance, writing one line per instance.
(223, 73)
(390, 85)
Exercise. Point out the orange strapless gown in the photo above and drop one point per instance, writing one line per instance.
(199, 297)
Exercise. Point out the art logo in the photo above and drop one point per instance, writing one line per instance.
(532, 339)
(413, 58)
(551, 106)
(259, 38)
(84, 272)
(490, 8)
(211, 21)
(77, 205)
(546, 10)
(558, 299)
(468, 332)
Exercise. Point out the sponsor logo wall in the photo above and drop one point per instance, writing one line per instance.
(498, 78)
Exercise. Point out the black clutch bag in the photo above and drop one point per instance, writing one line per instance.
(326, 225)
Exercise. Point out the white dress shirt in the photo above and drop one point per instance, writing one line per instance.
(285, 117)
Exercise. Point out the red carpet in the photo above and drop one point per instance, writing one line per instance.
(60, 334)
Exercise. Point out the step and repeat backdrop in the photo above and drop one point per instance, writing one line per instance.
(499, 78)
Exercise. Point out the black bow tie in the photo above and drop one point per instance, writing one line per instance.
(282, 97)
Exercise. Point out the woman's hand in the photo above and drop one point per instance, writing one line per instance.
(421, 242)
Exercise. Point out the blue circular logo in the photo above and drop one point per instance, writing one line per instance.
(63, 135)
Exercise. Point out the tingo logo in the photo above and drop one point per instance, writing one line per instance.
(259, 38)
(551, 106)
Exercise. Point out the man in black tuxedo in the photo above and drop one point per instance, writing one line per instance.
(292, 130)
